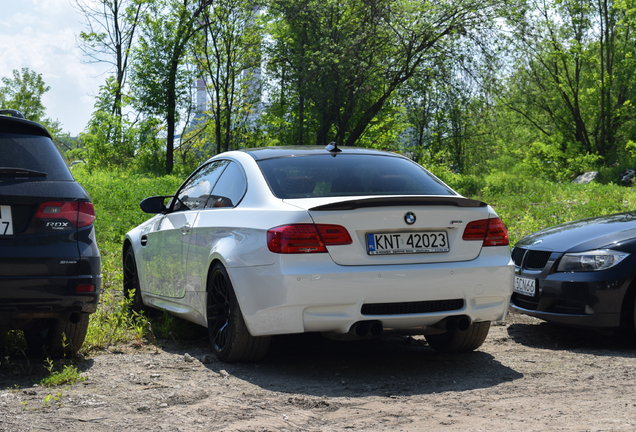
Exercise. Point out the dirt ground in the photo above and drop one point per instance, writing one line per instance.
(528, 375)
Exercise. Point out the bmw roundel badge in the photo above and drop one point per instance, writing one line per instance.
(409, 218)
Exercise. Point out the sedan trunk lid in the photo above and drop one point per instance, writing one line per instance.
(385, 230)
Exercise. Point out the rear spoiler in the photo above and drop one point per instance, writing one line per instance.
(391, 201)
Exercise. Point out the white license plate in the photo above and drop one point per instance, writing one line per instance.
(407, 243)
(524, 286)
(6, 223)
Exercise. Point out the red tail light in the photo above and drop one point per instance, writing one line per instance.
(80, 214)
(85, 288)
(492, 232)
(306, 238)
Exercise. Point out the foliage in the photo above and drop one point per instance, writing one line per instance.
(67, 375)
(227, 54)
(573, 75)
(116, 195)
(111, 27)
(527, 204)
(337, 64)
(24, 93)
(160, 78)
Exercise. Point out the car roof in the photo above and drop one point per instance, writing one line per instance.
(262, 153)
(22, 126)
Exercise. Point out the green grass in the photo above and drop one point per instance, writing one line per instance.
(116, 195)
(525, 205)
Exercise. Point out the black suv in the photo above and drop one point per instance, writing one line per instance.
(50, 275)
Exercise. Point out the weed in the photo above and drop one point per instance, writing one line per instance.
(47, 399)
(68, 375)
(58, 398)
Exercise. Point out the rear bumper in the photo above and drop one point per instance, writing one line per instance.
(23, 299)
(299, 294)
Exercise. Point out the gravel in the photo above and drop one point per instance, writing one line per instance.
(528, 375)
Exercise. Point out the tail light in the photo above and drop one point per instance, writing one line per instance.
(80, 214)
(492, 232)
(85, 288)
(306, 238)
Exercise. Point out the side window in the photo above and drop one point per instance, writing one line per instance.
(230, 188)
(195, 191)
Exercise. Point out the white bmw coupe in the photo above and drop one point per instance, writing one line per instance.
(351, 243)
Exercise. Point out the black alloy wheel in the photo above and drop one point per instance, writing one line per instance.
(229, 336)
(131, 281)
(218, 310)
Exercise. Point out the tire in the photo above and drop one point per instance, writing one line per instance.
(131, 282)
(460, 340)
(46, 337)
(229, 337)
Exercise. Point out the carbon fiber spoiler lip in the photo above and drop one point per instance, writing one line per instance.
(455, 201)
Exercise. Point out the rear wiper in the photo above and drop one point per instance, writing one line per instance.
(20, 172)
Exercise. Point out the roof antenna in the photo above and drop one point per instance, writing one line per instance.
(332, 148)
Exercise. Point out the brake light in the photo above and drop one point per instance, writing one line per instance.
(492, 232)
(306, 238)
(80, 214)
(85, 288)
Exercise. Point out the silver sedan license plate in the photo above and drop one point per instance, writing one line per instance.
(407, 243)
(6, 223)
(524, 286)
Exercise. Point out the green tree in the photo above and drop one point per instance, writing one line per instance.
(340, 62)
(111, 27)
(228, 58)
(24, 93)
(160, 81)
(574, 75)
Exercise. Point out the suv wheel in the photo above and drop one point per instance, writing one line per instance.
(56, 337)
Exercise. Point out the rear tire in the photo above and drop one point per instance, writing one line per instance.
(229, 337)
(460, 340)
(45, 337)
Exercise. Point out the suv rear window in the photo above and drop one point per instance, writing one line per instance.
(348, 175)
(31, 152)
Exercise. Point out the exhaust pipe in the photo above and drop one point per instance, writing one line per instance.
(74, 317)
(361, 328)
(365, 328)
(463, 323)
(376, 328)
(453, 323)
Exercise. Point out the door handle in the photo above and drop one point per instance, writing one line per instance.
(144, 240)
(185, 228)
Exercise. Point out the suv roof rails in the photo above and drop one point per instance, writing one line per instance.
(12, 113)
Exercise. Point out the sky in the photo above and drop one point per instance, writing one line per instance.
(40, 35)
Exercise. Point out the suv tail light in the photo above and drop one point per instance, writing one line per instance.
(306, 238)
(80, 214)
(493, 232)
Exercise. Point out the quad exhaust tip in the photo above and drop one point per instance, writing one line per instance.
(367, 328)
(461, 323)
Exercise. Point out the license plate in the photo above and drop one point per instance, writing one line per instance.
(6, 223)
(407, 243)
(524, 286)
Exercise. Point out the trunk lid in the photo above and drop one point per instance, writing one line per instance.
(385, 220)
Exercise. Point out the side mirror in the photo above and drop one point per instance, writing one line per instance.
(154, 205)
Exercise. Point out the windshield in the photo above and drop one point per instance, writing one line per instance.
(348, 175)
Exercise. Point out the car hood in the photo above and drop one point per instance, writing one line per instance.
(585, 234)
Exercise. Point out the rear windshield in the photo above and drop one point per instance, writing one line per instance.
(30, 152)
(348, 175)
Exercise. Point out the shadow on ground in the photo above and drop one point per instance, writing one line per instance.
(390, 366)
